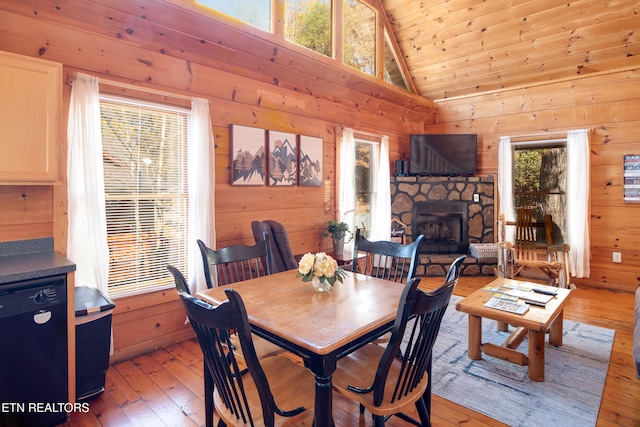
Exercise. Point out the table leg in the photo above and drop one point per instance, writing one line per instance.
(502, 326)
(322, 368)
(475, 337)
(536, 355)
(555, 331)
(323, 402)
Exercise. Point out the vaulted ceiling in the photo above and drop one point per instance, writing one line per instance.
(460, 47)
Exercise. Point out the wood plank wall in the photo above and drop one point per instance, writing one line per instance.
(609, 104)
(154, 44)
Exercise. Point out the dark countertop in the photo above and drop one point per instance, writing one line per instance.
(31, 259)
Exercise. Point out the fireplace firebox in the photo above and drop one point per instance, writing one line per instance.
(444, 224)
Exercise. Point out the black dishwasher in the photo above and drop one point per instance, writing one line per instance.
(33, 352)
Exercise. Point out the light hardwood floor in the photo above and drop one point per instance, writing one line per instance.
(165, 388)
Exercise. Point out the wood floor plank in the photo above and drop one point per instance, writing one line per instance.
(131, 400)
(154, 396)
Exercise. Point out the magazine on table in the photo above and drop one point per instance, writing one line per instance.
(510, 306)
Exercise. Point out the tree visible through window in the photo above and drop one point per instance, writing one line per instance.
(540, 182)
(359, 32)
(366, 155)
(144, 157)
(308, 24)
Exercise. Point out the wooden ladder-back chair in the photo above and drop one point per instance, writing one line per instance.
(385, 259)
(252, 399)
(528, 251)
(386, 384)
(235, 263)
(238, 263)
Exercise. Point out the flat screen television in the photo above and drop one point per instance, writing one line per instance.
(443, 154)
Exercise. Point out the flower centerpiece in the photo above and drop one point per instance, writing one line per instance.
(321, 270)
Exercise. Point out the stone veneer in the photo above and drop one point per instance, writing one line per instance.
(407, 190)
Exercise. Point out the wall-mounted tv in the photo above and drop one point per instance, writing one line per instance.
(443, 154)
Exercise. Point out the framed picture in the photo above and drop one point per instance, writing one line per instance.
(249, 160)
(632, 178)
(283, 165)
(310, 164)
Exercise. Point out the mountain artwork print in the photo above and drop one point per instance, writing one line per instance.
(283, 165)
(310, 161)
(249, 158)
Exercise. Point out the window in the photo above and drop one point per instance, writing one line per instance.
(540, 181)
(359, 36)
(255, 12)
(366, 156)
(313, 23)
(144, 158)
(308, 23)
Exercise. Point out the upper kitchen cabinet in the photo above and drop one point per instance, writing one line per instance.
(30, 97)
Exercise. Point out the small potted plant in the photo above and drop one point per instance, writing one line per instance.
(340, 234)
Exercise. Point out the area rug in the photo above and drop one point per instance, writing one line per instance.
(574, 375)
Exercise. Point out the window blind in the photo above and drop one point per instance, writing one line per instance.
(146, 194)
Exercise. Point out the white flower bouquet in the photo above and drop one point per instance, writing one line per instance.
(320, 265)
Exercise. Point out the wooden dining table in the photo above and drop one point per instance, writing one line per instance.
(319, 327)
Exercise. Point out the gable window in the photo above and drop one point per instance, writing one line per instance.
(343, 30)
(254, 12)
(359, 36)
(146, 195)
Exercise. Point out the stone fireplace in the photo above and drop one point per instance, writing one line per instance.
(451, 212)
(444, 224)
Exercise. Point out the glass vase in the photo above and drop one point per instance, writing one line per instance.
(320, 285)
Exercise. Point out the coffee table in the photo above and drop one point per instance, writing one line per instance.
(535, 323)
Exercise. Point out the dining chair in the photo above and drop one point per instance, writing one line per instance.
(282, 258)
(253, 399)
(385, 259)
(385, 383)
(234, 263)
(237, 263)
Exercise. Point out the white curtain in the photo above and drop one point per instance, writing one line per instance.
(505, 184)
(347, 188)
(578, 168)
(87, 230)
(381, 203)
(200, 167)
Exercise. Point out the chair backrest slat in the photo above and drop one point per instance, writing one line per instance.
(385, 259)
(414, 332)
(235, 263)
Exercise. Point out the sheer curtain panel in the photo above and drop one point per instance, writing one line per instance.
(381, 203)
(87, 232)
(201, 189)
(578, 168)
(347, 188)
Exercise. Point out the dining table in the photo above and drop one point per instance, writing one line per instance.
(318, 327)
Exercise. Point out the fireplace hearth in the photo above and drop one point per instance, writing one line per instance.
(444, 225)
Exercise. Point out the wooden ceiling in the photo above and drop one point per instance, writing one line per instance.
(459, 47)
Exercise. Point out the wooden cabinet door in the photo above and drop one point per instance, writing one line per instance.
(30, 94)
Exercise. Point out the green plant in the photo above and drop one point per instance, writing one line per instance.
(338, 230)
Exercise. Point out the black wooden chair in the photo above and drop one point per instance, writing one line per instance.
(386, 384)
(244, 400)
(385, 259)
(234, 263)
(237, 263)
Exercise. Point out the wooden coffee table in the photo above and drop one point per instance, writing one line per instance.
(535, 323)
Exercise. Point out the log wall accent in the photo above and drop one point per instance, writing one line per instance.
(608, 103)
(249, 80)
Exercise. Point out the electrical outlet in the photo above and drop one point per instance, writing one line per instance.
(476, 198)
(617, 257)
